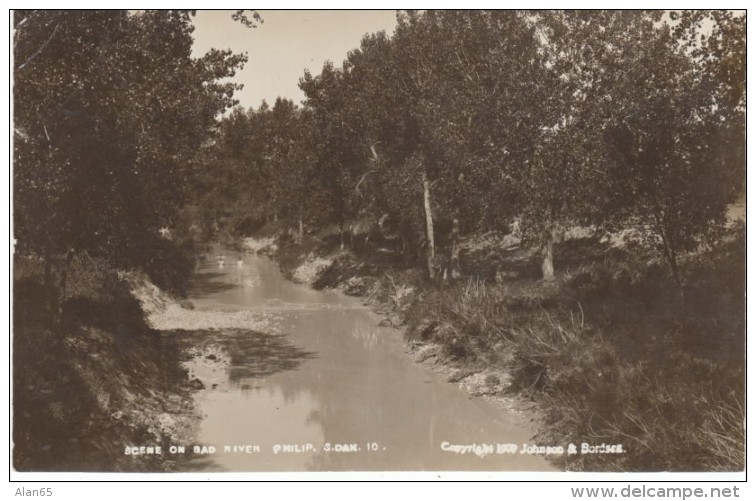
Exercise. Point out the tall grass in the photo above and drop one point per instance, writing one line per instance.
(665, 418)
(467, 321)
(611, 355)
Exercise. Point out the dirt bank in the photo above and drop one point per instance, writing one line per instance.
(96, 383)
(166, 313)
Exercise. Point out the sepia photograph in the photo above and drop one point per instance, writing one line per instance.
(321, 241)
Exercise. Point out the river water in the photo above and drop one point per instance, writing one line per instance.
(326, 389)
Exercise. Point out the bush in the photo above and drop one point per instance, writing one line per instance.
(170, 265)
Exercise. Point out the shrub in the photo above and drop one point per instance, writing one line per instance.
(170, 265)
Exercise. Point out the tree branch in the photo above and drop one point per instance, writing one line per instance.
(41, 48)
(362, 179)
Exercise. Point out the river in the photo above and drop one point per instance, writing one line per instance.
(327, 389)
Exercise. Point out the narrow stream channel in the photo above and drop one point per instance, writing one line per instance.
(327, 389)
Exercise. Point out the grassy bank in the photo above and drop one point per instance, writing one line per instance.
(96, 381)
(610, 352)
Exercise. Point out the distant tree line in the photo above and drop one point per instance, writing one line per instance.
(458, 122)
(465, 121)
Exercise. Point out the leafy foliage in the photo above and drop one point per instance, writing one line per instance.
(110, 111)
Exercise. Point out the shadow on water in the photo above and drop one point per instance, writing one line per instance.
(205, 284)
(249, 354)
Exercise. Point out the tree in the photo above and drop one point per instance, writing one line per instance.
(584, 57)
(338, 141)
(296, 189)
(646, 129)
(109, 111)
(679, 137)
(486, 107)
(231, 188)
(439, 110)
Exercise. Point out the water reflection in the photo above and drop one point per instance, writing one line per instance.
(246, 354)
(335, 377)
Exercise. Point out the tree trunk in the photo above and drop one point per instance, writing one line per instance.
(429, 226)
(300, 232)
(341, 235)
(62, 284)
(671, 255)
(408, 247)
(547, 266)
(454, 251)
